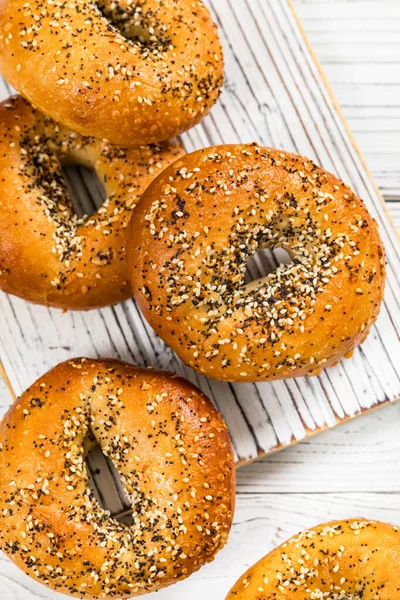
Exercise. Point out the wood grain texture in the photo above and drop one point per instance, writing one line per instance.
(273, 93)
(358, 44)
(324, 466)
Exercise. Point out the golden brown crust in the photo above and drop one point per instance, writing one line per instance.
(355, 559)
(73, 64)
(200, 222)
(169, 444)
(47, 254)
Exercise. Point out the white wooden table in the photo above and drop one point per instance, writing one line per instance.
(352, 471)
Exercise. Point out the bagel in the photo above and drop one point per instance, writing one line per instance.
(133, 73)
(200, 222)
(355, 560)
(48, 254)
(172, 450)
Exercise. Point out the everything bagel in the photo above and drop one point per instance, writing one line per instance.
(357, 560)
(200, 222)
(131, 73)
(48, 254)
(172, 450)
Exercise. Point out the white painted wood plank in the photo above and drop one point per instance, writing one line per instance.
(394, 209)
(374, 11)
(358, 44)
(359, 456)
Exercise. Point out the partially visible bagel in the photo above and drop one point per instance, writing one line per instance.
(133, 73)
(48, 254)
(172, 450)
(205, 216)
(342, 560)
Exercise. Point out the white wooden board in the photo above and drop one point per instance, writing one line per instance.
(273, 94)
(265, 517)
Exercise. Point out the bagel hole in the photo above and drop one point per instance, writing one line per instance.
(135, 25)
(85, 189)
(266, 261)
(106, 484)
